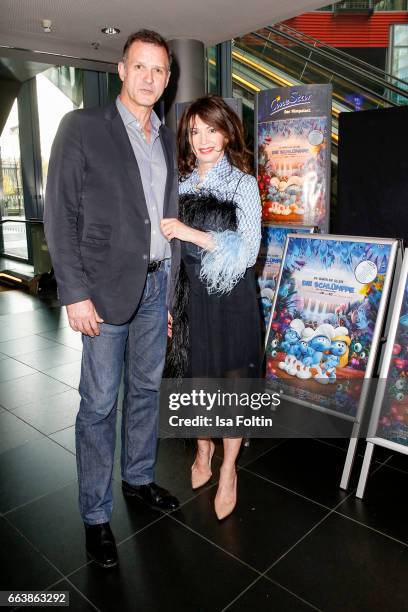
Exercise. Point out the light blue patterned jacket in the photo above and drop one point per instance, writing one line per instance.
(236, 251)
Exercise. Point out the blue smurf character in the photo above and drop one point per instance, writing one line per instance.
(359, 317)
(338, 356)
(319, 343)
(327, 369)
(304, 350)
(267, 295)
(290, 344)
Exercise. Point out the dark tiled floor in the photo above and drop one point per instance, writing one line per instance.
(342, 565)
(22, 566)
(11, 370)
(266, 523)
(51, 524)
(51, 414)
(384, 504)
(66, 438)
(68, 373)
(295, 542)
(304, 470)
(25, 345)
(166, 567)
(77, 600)
(14, 432)
(33, 469)
(263, 594)
(37, 386)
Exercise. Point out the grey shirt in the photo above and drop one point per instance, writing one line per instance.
(153, 170)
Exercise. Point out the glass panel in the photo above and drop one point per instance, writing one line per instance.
(400, 35)
(390, 5)
(114, 86)
(400, 63)
(212, 77)
(355, 5)
(59, 90)
(248, 101)
(399, 57)
(11, 189)
(377, 5)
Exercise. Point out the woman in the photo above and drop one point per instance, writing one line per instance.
(216, 325)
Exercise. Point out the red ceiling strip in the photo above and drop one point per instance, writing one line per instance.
(349, 30)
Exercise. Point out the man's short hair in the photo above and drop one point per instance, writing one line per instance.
(147, 36)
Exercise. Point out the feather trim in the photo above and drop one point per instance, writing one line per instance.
(177, 353)
(204, 211)
(222, 268)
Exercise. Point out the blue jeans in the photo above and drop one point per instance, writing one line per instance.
(140, 346)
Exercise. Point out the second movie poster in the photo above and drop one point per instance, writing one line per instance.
(327, 317)
(293, 142)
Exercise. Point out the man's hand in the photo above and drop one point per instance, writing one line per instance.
(83, 318)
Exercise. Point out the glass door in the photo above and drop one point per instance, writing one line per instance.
(13, 241)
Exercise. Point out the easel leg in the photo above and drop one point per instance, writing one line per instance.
(364, 470)
(348, 464)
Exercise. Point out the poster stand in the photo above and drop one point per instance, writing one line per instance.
(391, 303)
(373, 437)
(321, 315)
(352, 446)
(380, 356)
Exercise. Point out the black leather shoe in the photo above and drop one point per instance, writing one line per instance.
(154, 496)
(100, 544)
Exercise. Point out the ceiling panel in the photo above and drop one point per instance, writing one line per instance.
(77, 23)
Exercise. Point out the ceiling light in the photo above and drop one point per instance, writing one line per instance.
(110, 30)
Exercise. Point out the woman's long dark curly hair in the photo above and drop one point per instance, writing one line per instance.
(214, 112)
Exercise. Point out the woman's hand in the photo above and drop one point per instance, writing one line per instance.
(173, 228)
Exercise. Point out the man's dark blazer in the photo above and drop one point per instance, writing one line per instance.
(96, 220)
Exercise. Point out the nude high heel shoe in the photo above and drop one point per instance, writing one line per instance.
(198, 478)
(224, 506)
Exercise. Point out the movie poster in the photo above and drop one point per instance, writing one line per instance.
(293, 144)
(327, 318)
(392, 423)
(269, 260)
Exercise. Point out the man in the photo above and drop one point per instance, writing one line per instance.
(112, 178)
